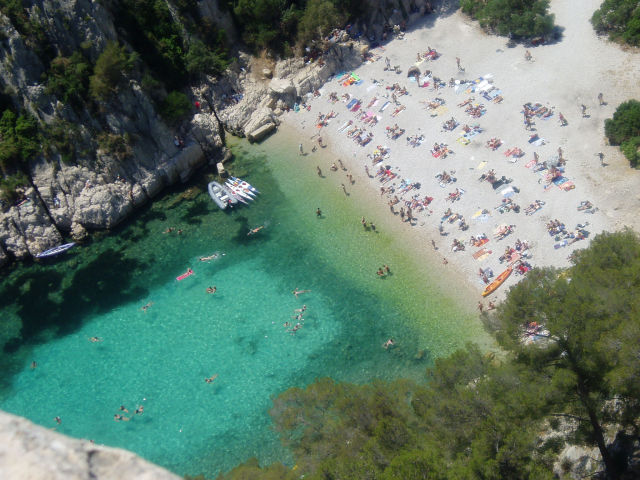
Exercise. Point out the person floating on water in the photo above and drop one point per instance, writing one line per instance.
(33, 365)
(297, 292)
(146, 307)
(95, 339)
(212, 289)
(388, 343)
(210, 257)
(211, 378)
(253, 231)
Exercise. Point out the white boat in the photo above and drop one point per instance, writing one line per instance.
(240, 188)
(55, 250)
(237, 191)
(245, 184)
(221, 195)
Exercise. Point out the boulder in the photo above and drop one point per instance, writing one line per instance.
(37, 453)
(261, 132)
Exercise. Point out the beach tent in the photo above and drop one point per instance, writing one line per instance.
(414, 72)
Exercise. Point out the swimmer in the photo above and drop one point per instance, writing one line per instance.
(168, 230)
(139, 410)
(123, 409)
(33, 365)
(297, 292)
(286, 324)
(58, 420)
(95, 339)
(211, 378)
(117, 417)
(212, 289)
(388, 343)
(380, 272)
(145, 307)
(318, 212)
(210, 257)
(304, 307)
(253, 231)
(386, 268)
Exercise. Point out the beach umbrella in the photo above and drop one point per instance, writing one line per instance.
(414, 72)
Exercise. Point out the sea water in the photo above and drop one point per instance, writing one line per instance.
(159, 357)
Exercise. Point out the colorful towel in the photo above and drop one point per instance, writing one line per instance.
(531, 163)
(481, 165)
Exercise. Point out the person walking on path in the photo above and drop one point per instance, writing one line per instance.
(601, 157)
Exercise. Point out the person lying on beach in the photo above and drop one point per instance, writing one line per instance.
(253, 231)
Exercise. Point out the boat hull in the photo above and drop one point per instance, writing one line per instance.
(493, 286)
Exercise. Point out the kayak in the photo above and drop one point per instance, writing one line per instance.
(186, 274)
(240, 188)
(244, 184)
(237, 191)
(55, 250)
(493, 286)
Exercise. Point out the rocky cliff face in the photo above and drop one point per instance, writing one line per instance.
(100, 188)
(37, 453)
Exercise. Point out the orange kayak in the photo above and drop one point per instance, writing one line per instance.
(493, 286)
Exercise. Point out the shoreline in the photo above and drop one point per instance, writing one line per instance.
(506, 73)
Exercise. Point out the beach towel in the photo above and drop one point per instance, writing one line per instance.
(440, 110)
(483, 257)
(386, 104)
(531, 163)
(480, 253)
(483, 218)
(567, 186)
(477, 214)
(481, 165)
(463, 141)
(352, 103)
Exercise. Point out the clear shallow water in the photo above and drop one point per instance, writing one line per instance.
(160, 358)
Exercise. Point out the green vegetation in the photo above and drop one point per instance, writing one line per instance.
(33, 32)
(516, 18)
(483, 418)
(109, 71)
(175, 107)
(273, 24)
(118, 146)
(68, 78)
(620, 19)
(19, 142)
(624, 130)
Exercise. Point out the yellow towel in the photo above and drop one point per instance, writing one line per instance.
(481, 165)
(477, 214)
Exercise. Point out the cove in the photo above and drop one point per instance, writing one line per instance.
(160, 357)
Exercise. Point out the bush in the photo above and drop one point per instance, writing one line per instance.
(620, 19)
(320, 17)
(109, 71)
(516, 18)
(624, 130)
(68, 78)
(175, 107)
(118, 146)
(20, 141)
(201, 60)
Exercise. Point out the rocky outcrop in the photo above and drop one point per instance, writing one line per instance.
(37, 453)
(103, 185)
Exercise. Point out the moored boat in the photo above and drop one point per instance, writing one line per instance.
(244, 184)
(55, 250)
(240, 188)
(493, 286)
(238, 192)
(221, 195)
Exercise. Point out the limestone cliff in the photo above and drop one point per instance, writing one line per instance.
(123, 152)
(28, 451)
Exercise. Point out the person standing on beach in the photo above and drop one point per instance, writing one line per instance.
(458, 63)
(601, 157)
(318, 212)
(300, 148)
(366, 170)
(341, 165)
(319, 171)
(344, 189)
(601, 99)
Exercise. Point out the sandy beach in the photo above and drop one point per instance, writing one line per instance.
(490, 190)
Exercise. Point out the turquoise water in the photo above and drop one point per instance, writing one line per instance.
(160, 358)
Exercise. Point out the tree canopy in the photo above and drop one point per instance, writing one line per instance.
(515, 18)
(624, 130)
(620, 19)
(481, 416)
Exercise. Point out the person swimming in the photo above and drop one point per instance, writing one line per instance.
(253, 231)
(297, 292)
(211, 378)
(146, 307)
(212, 289)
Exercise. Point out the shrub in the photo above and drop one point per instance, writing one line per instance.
(319, 18)
(109, 70)
(620, 19)
(201, 60)
(517, 18)
(175, 107)
(68, 78)
(20, 141)
(118, 146)
(624, 130)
